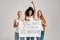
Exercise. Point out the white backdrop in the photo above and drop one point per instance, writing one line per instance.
(50, 9)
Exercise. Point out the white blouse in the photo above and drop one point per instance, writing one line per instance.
(20, 25)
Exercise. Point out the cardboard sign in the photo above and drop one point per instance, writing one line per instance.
(30, 29)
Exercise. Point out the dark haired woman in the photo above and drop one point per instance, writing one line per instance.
(43, 21)
(30, 13)
(29, 16)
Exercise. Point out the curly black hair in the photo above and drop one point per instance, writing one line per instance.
(27, 11)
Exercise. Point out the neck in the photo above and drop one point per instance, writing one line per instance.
(29, 15)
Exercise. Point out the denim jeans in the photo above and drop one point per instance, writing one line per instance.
(42, 36)
(38, 38)
(17, 36)
(22, 38)
(28, 38)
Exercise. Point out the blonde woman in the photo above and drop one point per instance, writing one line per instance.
(17, 24)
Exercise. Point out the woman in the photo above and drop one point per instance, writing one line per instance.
(17, 24)
(43, 21)
(29, 16)
(30, 13)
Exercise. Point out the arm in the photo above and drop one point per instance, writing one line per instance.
(15, 24)
(44, 22)
(34, 9)
(44, 25)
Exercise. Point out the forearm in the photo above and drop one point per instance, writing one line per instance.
(15, 25)
(34, 9)
(34, 6)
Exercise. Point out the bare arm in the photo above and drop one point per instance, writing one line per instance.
(34, 9)
(44, 25)
(15, 24)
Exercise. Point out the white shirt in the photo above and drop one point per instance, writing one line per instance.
(41, 27)
(20, 25)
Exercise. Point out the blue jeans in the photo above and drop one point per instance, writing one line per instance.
(28, 38)
(17, 36)
(22, 38)
(38, 38)
(42, 36)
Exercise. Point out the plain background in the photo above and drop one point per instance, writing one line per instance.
(8, 12)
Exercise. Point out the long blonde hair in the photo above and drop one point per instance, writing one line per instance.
(42, 18)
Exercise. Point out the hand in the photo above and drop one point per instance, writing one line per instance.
(32, 2)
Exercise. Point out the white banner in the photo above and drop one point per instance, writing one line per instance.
(30, 29)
